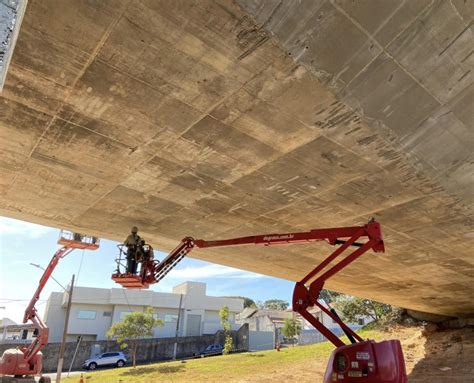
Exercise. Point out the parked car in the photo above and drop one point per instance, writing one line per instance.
(117, 359)
(212, 349)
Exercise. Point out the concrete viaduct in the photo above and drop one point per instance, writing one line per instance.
(224, 118)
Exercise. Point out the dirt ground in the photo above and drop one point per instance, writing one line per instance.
(440, 356)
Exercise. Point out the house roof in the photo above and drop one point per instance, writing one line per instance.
(6, 322)
(18, 327)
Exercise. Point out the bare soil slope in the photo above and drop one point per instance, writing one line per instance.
(440, 356)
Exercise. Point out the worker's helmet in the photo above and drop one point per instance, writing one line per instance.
(134, 229)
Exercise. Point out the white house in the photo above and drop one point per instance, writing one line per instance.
(13, 332)
(265, 320)
(94, 310)
(310, 335)
(274, 320)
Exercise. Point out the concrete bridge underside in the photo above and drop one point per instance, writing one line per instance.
(218, 119)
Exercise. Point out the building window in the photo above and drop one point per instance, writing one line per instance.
(361, 322)
(86, 314)
(171, 318)
(107, 313)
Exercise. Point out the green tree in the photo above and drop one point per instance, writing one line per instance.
(352, 308)
(229, 343)
(134, 326)
(291, 328)
(329, 296)
(275, 304)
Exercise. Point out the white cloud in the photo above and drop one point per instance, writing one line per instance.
(9, 226)
(211, 271)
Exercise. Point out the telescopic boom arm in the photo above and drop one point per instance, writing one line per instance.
(69, 244)
(31, 312)
(306, 291)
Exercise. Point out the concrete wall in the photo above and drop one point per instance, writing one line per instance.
(149, 350)
(81, 326)
(54, 316)
(261, 323)
(261, 340)
(212, 322)
(169, 328)
(308, 336)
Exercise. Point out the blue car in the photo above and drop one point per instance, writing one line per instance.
(212, 349)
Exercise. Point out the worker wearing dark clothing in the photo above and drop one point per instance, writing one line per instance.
(77, 237)
(133, 250)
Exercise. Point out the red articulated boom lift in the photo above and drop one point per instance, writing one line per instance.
(362, 361)
(20, 365)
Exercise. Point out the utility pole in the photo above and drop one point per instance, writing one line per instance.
(63, 343)
(175, 350)
(4, 326)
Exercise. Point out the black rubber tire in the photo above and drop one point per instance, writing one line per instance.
(120, 363)
(92, 366)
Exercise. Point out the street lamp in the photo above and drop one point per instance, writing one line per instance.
(54, 279)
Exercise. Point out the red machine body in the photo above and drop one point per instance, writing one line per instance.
(383, 361)
(13, 362)
(368, 362)
(28, 361)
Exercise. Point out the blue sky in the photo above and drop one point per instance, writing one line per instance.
(22, 243)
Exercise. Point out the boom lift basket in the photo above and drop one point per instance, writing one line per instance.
(75, 240)
(130, 280)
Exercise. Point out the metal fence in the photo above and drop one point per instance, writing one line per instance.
(314, 336)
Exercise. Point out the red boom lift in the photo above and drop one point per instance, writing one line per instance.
(23, 363)
(361, 361)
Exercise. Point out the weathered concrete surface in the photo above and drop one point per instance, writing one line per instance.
(217, 119)
(11, 15)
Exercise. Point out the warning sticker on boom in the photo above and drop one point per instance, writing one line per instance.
(362, 355)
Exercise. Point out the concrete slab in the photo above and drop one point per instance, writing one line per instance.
(223, 118)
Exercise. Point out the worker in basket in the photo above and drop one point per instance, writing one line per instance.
(134, 250)
(145, 255)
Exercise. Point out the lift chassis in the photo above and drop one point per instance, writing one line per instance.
(360, 361)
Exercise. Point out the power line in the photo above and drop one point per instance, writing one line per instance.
(21, 300)
(80, 266)
(128, 303)
(76, 300)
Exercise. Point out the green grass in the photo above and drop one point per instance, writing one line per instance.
(263, 365)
